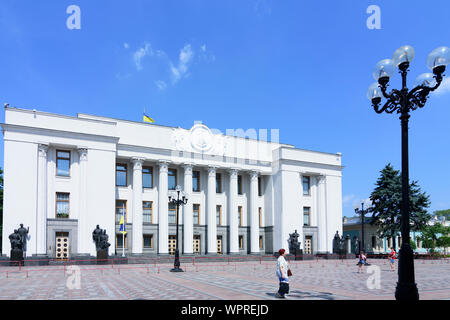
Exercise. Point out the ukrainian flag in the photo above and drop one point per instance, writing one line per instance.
(147, 119)
(122, 225)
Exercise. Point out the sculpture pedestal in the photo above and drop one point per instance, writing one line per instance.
(16, 257)
(102, 257)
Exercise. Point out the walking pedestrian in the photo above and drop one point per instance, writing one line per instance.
(392, 259)
(282, 274)
(362, 261)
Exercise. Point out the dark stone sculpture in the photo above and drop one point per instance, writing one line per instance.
(339, 245)
(294, 246)
(18, 241)
(23, 233)
(101, 244)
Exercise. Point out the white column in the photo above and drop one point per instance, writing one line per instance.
(211, 211)
(322, 223)
(232, 212)
(41, 219)
(163, 209)
(188, 229)
(83, 232)
(137, 206)
(254, 223)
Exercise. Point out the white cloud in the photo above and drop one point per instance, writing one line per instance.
(346, 200)
(161, 85)
(185, 58)
(140, 54)
(443, 88)
(206, 56)
(126, 45)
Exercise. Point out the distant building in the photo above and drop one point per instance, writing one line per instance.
(373, 243)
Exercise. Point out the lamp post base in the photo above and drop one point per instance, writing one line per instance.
(176, 270)
(406, 291)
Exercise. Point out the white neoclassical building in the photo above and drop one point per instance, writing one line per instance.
(65, 175)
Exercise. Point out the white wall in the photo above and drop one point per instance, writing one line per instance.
(20, 190)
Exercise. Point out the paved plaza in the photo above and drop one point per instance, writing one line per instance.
(251, 280)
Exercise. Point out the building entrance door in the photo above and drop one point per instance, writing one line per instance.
(308, 245)
(62, 245)
(172, 244)
(219, 244)
(196, 244)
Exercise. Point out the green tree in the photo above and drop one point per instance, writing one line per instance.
(413, 244)
(443, 213)
(435, 236)
(387, 200)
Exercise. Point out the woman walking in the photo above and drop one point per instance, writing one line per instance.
(282, 274)
(362, 261)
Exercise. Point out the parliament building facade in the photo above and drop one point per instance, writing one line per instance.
(65, 175)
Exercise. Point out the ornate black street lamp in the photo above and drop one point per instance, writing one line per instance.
(177, 202)
(362, 212)
(402, 102)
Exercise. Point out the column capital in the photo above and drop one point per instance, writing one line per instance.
(212, 170)
(187, 168)
(43, 149)
(321, 178)
(137, 163)
(83, 152)
(254, 174)
(233, 172)
(163, 165)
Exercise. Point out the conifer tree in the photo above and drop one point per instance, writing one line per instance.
(386, 204)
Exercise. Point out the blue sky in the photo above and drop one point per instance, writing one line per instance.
(302, 67)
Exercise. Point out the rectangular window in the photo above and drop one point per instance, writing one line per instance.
(196, 181)
(390, 243)
(172, 174)
(218, 183)
(147, 177)
(62, 205)
(239, 184)
(196, 213)
(260, 216)
(121, 175)
(119, 241)
(148, 241)
(261, 242)
(240, 216)
(306, 186)
(260, 188)
(121, 208)
(306, 216)
(172, 213)
(147, 212)
(241, 242)
(62, 163)
(219, 215)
